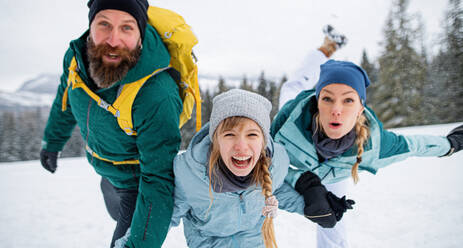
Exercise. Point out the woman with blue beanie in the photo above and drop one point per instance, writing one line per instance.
(230, 181)
(330, 132)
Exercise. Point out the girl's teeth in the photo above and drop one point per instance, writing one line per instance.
(241, 158)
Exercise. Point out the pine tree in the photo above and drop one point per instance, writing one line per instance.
(222, 86)
(3, 136)
(30, 136)
(10, 144)
(402, 72)
(369, 67)
(273, 95)
(245, 85)
(372, 73)
(74, 147)
(447, 67)
(188, 130)
(206, 106)
(262, 86)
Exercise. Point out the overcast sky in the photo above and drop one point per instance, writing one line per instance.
(236, 37)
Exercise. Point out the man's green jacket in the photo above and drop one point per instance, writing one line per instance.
(155, 115)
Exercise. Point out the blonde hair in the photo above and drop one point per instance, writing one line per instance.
(260, 174)
(362, 132)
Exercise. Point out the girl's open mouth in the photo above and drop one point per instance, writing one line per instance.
(241, 162)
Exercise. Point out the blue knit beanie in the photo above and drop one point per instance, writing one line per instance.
(343, 72)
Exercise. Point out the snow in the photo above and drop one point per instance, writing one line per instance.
(414, 203)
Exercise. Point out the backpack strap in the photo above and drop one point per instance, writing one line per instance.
(76, 81)
(125, 100)
(122, 106)
(91, 152)
(71, 77)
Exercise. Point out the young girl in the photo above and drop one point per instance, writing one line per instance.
(329, 131)
(229, 179)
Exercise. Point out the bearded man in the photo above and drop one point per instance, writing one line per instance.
(120, 48)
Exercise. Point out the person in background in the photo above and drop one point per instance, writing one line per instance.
(136, 167)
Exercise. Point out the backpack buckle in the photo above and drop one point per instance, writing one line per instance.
(103, 104)
(128, 131)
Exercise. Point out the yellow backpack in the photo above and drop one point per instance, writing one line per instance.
(179, 40)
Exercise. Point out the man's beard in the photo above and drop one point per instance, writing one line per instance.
(107, 74)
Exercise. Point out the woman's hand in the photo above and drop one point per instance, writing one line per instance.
(321, 206)
(339, 205)
(455, 138)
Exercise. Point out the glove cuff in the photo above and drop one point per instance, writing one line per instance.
(51, 147)
(448, 154)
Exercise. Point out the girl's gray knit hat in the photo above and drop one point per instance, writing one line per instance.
(237, 102)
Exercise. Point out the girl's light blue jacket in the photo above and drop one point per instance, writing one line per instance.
(234, 219)
(291, 128)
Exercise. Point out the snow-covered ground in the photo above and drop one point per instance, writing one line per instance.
(415, 203)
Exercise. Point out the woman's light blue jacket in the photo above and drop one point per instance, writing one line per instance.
(235, 218)
(291, 128)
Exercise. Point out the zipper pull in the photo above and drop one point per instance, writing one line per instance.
(242, 204)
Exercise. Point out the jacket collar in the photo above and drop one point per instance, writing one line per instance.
(296, 129)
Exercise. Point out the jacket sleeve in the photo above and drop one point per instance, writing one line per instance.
(395, 147)
(158, 143)
(288, 198)
(293, 175)
(181, 206)
(60, 123)
(304, 78)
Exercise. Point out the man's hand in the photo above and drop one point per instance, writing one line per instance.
(49, 160)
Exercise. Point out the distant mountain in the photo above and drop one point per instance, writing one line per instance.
(40, 91)
(42, 84)
(37, 92)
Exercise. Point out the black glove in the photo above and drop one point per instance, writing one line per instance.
(48, 160)
(339, 205)
(456, 140)
(317, 207)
